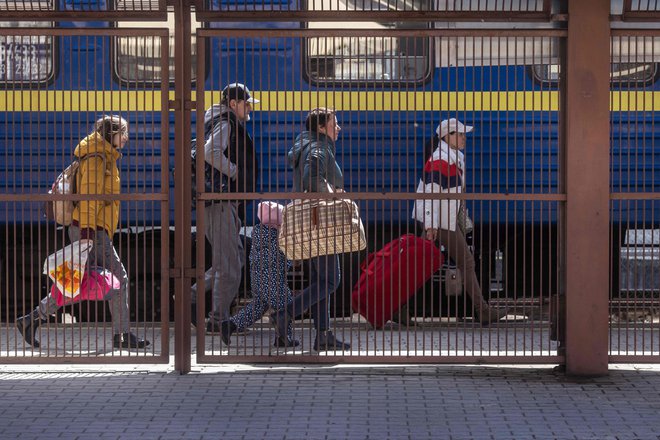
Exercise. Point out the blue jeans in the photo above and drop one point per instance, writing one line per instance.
(324, 278)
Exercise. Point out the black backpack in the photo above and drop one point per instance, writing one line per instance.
(214, 180)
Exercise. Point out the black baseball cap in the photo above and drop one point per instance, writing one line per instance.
(239, 92)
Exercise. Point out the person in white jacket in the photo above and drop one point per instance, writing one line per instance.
(444, 172)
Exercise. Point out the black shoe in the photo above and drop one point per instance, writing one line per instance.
(281, 324)
(285, 342)
(326, 341)
(226, 329)
(27, 325)
(213, 327)
(129, 340)
(193, 314)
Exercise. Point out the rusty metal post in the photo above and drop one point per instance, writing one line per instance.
(587, 184)
(182, 123)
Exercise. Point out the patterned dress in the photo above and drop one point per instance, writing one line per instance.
(268, 267)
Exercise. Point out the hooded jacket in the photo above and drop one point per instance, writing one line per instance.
(97, 175)
(444, 172)
(315, 168)
(217, 140)
(230, 150)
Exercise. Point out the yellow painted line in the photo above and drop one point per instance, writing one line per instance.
(75, 101)
(150, 101)
(634, 101)
(410, 101)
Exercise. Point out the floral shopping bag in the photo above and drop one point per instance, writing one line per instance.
(66, 267)
(95, 285)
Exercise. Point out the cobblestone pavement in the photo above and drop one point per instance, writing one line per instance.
(326, 402)
(47, 400)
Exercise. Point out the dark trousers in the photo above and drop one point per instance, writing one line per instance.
(324, 278)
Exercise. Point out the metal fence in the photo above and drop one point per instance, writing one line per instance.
(56, 84)
(529, 177)
(635, 261)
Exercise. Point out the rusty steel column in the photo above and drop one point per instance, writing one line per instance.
(587, 185)
(181, 271)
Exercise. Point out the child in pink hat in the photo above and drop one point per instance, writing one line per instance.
(268, 267)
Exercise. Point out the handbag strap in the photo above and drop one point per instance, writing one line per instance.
(315, 216)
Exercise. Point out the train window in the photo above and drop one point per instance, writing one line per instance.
(137, 59)
(640, 73)
(26, 59)
(366, 59)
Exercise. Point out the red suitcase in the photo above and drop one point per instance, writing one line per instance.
(392, 275)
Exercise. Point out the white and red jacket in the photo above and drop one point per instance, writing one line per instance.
(444, 172)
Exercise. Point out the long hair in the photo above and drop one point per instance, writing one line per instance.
(430, 146)
(109, 125)
(318, 117)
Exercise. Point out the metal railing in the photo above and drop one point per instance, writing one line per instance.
(392, 77)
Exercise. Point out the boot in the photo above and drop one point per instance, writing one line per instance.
(129, 340)
(226, 329)
(490, 314)
(283, 334)
(326, 341)
(27, 325)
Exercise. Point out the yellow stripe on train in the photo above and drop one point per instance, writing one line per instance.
(149, 101)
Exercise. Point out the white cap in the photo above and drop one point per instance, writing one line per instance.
(452, 125)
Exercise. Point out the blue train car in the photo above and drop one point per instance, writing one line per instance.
(390, 92)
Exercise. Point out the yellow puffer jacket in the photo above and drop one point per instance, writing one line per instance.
(97, 176)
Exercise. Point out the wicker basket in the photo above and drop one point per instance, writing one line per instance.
(312, 228)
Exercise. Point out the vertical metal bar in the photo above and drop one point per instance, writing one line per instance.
(587, 219)
(200, 248)
(182, 234)
(165, 190)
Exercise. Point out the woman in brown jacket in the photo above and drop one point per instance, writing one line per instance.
(96, 220)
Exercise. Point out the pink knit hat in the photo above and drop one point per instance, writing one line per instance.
(270, 213)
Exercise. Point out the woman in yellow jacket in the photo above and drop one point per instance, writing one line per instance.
(96, 220)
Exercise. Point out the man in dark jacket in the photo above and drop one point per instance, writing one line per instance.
(315, 169)
(230, 152)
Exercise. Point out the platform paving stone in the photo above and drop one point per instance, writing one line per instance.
(265, 401)
(326, 402)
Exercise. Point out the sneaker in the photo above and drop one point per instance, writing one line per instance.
(492, 315)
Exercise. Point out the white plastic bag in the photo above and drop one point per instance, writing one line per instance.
(66, 267)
